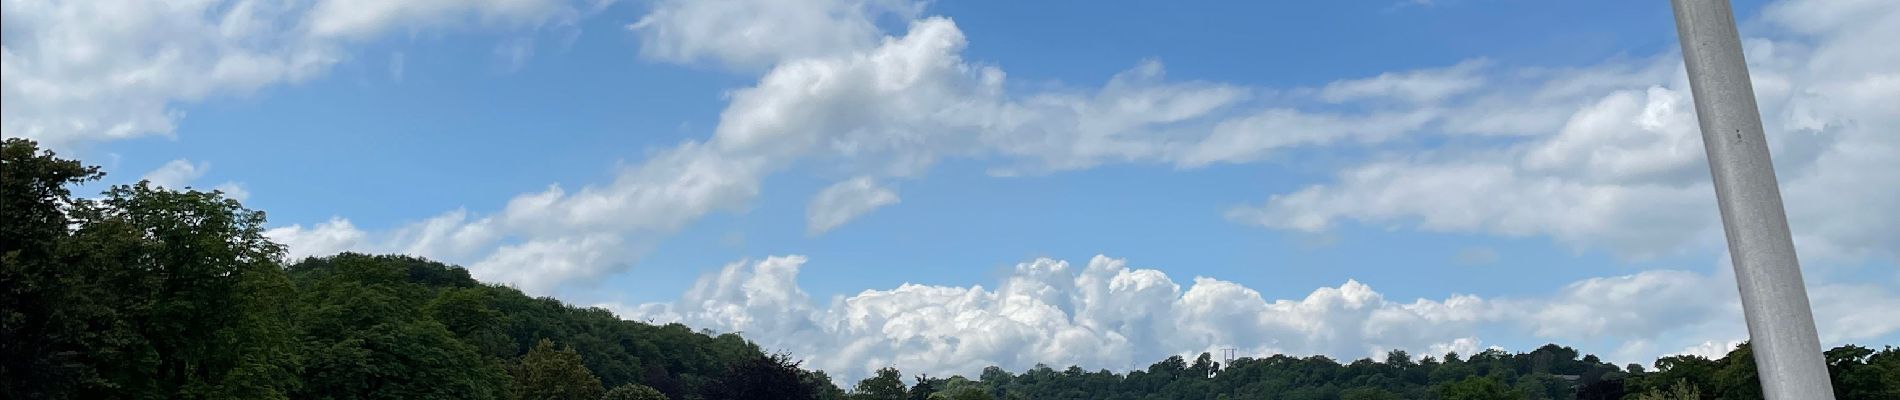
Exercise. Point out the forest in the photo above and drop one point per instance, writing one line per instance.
(143, 292)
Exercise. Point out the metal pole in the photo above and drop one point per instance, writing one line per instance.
(1774, 299)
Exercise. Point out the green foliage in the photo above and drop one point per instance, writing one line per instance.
(1367, 394)
(50, 348)
(1861, 373)
(764, 377)
(1681, 390)
(363, 342)
(963, 394)
(547, 373)
(633, 392)
(143, 293)
(1478, 388)
(888, 384)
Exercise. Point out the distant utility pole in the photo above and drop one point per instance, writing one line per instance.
(1774, 299)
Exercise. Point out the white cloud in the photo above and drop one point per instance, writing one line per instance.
(1495, 198)
(359, 19)
(179, 174)
(1108, 315)
(759, 33)
(334, 236)
(1710, 349)
(1644, 305)
(538, 264)
(1251, 138)
(542, 239)
(176, 174)
(1625, 170)
(74, 72)
(1854, 311)
(233, 190)
(1464, 346)
(844, 201)
(97, 70)
(1420, 86)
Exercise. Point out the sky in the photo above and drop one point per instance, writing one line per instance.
(946, 185)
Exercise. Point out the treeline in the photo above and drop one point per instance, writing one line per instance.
(148, 293)
(1549, 372)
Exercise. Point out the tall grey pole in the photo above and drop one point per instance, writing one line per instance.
(1774, 299)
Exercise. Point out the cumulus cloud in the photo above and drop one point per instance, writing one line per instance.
(1106, 314)
(233, 190)
(1625, 170)
(844, 201)
(176, 173)
(74, 72)
(1047, 311)
(179, 175)
(1710, 349)
(331, 237)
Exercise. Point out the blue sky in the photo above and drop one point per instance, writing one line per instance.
(1493, 173)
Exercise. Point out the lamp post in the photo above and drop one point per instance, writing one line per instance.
(1774, 299)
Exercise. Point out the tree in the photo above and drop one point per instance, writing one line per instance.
(1862, 373)
(1400, 359)
(1681, 390)
(50, 350)
(363, 342)
(925, 387)
(964, 394)
(1367, 394)
(1737, 377)
(633, 392)
(1204, 366)
(888, 384)
(466, 313)
(200, 305)
(1478, 388)
(763, 377)
(547, 373)
(144, 293)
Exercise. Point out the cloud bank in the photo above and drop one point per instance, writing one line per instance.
(1106, 314)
